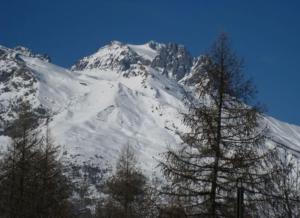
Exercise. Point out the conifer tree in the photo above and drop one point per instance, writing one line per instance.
(223, 141)
(126, 189)
(32, 183)
(17, 171)
(52, 185)
(281, 194)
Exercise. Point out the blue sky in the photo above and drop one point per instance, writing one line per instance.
(265, 33)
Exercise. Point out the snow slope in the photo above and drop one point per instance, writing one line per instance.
(97, 112)
(115, 97)
(144, 51)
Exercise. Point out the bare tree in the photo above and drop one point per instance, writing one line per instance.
(281, 194)
(223, 144)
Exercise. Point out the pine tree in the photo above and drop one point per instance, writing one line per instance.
(223, 141)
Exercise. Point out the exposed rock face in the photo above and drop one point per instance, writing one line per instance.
(27, 52)
(196, 71)
(171, 59)
(17, 82)
(174, 60)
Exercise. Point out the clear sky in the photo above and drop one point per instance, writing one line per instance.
(265, 33)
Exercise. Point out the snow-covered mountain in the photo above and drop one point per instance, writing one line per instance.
(122, 94)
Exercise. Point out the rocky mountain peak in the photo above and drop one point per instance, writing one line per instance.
(155, 45)
(174, 60)
(171, 59)
(21, 50)
(114, 56)
(17, 82)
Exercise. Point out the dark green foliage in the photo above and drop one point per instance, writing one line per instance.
(52, 185)
(127, 191)
(172, 212)
(32, 183)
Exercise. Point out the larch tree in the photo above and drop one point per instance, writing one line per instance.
(224, 138)
(281, 194)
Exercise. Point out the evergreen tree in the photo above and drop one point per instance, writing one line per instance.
(32, 183)
(52, 185)
(126, 190)
(17, 172)
(223, 143)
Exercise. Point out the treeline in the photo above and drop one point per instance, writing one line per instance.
(225, 149)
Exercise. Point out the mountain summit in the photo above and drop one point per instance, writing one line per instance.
(170, 59)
